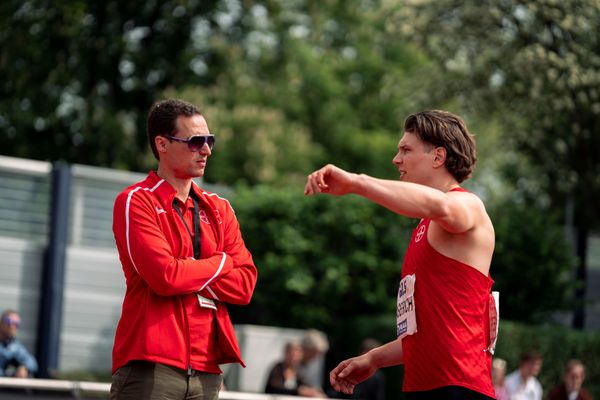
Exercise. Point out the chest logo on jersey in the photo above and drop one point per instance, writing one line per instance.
(420, 233)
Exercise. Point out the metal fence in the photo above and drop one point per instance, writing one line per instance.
(91, 284)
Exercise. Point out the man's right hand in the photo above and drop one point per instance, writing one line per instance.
(329, 180)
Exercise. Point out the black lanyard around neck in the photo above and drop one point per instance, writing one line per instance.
(196, 236)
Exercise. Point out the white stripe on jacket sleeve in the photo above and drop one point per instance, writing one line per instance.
(127, 205)
(216, 273)
(213, 294)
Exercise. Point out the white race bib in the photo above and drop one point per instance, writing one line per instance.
(406, 318)
(494, 318)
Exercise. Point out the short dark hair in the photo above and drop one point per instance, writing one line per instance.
(529, 356)
(444, 129)
(571, 364)
(163, 117)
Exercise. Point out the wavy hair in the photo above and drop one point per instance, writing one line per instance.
(444, 129)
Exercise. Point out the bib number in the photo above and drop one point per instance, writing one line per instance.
(406, 319)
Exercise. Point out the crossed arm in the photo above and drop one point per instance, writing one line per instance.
(228, 275)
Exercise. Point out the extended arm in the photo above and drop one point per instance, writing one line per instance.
(453, 211)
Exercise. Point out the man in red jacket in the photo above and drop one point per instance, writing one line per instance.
(444, 300)
(184, 258)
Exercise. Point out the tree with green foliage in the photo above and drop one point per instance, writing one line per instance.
(329, 68)
(80, 76)
(532, 263)
(534, 66)
(285, 85)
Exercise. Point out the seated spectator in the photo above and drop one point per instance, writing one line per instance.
(285, 378)
(571, 388)
(15, 360)
(522, 384)
(314, 347)
(498, 377)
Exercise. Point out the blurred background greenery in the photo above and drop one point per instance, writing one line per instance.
(288, 85)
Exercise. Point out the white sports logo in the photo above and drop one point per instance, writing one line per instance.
(420, 233)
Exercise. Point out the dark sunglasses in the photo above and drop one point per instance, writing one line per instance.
(9, 321)
(195, 143)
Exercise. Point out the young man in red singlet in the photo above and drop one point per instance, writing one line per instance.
(444, 300)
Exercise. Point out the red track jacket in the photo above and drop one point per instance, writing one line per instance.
(162, 319)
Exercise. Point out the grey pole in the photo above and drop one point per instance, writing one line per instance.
(52, 285)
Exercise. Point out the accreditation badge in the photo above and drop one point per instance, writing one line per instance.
(406, 319)
(206, 303)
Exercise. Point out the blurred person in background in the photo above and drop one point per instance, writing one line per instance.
(522, 383)
(571, 387)
(314, 347)
(184, 259)
(15, 359)
(284, 377)
(498, 378)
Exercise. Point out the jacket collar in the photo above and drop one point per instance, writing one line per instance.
(165, 192)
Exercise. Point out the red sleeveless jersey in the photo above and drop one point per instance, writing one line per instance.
(452, 305)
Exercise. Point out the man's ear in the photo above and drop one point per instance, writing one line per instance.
(439, 158)
(161, 143)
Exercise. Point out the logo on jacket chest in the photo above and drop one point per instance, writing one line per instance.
(204, 217)
(420, 233)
